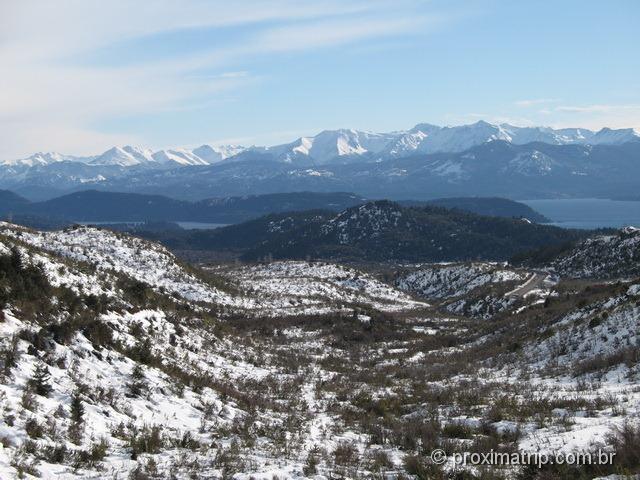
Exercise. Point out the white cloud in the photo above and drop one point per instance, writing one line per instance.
(597, 108)
(71, 26)
(51, 100)
(491, 118)
(534, 102)
(593, 117)
(335, 32)
(597, 116)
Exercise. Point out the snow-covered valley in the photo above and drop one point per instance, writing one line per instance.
(118, 360)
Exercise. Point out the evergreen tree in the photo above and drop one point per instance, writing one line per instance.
(9, 354)
(77, 409)
(40, 380)
(16, 259)
(77, 418)
(138, 382)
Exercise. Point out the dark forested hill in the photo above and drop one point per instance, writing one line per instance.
(99, 206)
(381, 231)
(491, 206)
(10, 201)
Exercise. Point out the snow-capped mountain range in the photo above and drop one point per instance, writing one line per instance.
(424, 162)
(346, 145)
(129, 156)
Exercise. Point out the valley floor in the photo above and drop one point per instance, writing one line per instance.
(119, 361)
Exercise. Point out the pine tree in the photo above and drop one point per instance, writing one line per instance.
(40, 380)
(77, 409)
(77, 418)
(138, 381)
(16, 259)
(313, 459)
(9, 354)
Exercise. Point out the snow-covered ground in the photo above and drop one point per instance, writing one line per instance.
(279, 288)
(454, 280)
(605, 256)
(136, 258)
(477, 289)
(221, 376)
(283, 286)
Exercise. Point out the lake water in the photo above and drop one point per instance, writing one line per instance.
(200, 225)
(185, 225)
(588, 212)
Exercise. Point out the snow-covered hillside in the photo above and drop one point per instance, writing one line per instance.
(454, 280)
(316, 287)
(604, 256)
(118, 361)
(306, 287)
(478, 290)
(109, 251)
(366, 221)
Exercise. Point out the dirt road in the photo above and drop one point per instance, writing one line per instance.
(533, 282)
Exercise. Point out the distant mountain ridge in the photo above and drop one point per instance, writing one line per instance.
(96, 206)
(129, 156)
(330, 145)
(425, 162)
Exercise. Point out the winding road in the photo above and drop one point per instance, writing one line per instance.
(533, 282)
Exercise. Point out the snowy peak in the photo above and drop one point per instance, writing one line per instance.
(336, 143)
(348, 145)
(130, 156)
(426, 138)
(43, 158)
(179, 156)
(608, 136)
(458, 139)
(332, 145)
(214, 154)
(123, 156)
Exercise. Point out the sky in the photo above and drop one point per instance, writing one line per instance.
(79, 76)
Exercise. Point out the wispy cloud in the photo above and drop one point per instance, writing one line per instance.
(535, 102)
(596, 116)
(597, 108)
(334, 32)
(491, 118)
(51, 99)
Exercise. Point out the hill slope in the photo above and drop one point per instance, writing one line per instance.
(100, 206)
(492, 207)
(381, 231)
(118, 361)
(10, 201)
(603, 256)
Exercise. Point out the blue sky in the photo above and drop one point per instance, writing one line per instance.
(82, 75)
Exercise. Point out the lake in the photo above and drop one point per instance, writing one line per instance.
(588, 213)
(200, 225)
(185, 225)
